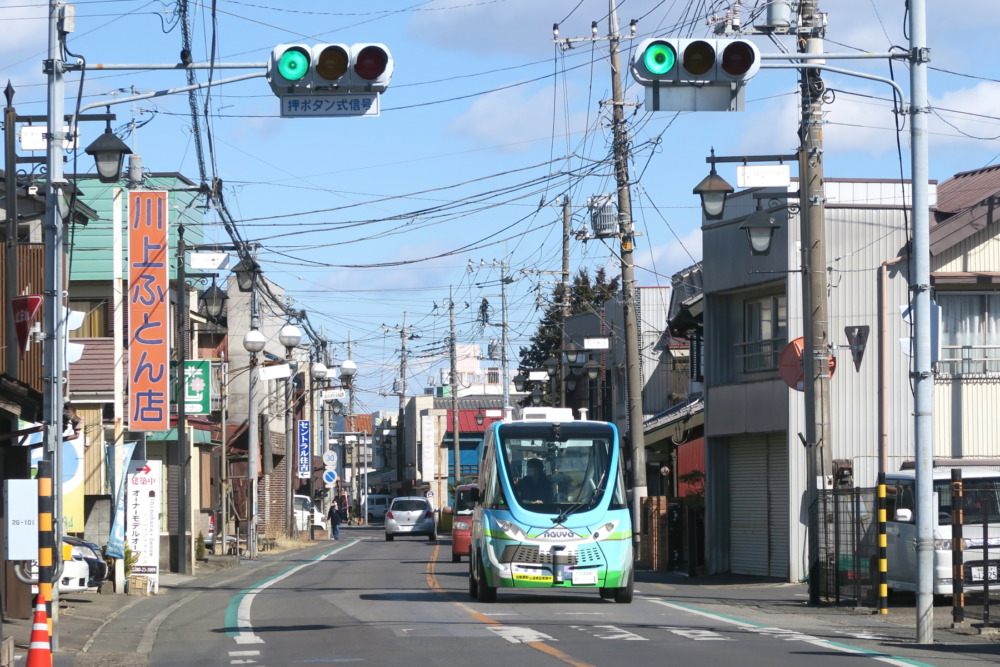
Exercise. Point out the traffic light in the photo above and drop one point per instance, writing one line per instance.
(695, 74)
(303, 69)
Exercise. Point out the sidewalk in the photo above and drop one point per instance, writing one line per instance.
(82, 615)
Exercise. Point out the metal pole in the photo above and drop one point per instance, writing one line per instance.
(54, 313)
(183, 566)
(253, 437)
(289, 446)
(923, 381)
(633, 369)
(504, 341)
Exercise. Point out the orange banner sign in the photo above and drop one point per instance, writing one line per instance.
(148, 312)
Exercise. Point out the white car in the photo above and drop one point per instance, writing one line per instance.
(74, 577)
(306, 514)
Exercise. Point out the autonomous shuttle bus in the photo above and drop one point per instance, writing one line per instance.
(551, 511)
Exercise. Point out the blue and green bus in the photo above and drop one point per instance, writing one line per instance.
(551, 511)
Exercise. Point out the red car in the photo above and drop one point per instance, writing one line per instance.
(461, 522)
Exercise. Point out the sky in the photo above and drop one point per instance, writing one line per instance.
(487, 126)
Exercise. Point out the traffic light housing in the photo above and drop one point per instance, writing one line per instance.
(304, 69)
(695, 74)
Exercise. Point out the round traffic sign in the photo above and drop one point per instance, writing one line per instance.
(330, 476)
(330, 457)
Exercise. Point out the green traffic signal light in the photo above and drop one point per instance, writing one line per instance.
(659, 58)
(293, 64)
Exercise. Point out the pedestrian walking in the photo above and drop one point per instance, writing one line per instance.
(334, 516)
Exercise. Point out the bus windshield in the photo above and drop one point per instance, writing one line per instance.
(560, 467)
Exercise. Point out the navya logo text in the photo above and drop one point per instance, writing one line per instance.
(558, 533)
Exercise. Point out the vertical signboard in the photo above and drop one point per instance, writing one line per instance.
(143, 518)
(197, 387)
(304, 457)
(149, 343)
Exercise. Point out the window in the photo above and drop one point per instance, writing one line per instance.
(764, 332)
(95, 320)
(970, 332)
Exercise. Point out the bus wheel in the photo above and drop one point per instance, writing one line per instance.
(487, 593)
(624, 595)
(473, 586)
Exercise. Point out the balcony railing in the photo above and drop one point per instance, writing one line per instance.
(759, 355)
(969, 360)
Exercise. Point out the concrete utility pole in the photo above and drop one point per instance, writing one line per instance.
(401, 419)
(815, 323)
(453, 380)
(633, 367)
(923, 379)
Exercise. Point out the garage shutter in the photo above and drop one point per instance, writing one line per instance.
(758, 507)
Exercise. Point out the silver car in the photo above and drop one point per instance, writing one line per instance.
(410, 515)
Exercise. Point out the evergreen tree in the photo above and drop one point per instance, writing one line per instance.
(584, 296)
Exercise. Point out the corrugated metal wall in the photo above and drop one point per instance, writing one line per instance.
(31, 267)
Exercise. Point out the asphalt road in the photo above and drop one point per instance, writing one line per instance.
(364, 600)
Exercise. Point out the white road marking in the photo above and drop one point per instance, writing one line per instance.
(792, 635)
(245, 633)
(516, 635)
(609, 632)
(698, 635)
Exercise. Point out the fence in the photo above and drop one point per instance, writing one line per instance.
(848, 546)
(848, 550)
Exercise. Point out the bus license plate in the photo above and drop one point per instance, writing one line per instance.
(977, 573)
(584, 577)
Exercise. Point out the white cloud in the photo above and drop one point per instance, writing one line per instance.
(512, 119)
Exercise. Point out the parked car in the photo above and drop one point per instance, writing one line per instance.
(97, 567)
(378, 505)
(461, 521)
(75, 575)
(306, 514)
(410, 515)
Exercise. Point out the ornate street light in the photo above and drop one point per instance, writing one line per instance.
(480, 417)
(289, 336)
(519, 381)
(109, 152)
(759, 227)
(214, 300)
(713, 190)
(348, 369)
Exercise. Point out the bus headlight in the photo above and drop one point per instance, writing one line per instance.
(511, 530)
(604, 530)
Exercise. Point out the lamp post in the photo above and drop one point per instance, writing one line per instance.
(348, 369)
(247, 272)
(289, 337)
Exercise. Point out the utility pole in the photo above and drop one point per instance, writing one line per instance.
(567, 218)
(401, 419)
(815, 323)
(923, 379)
(633, 367)
(453, 380)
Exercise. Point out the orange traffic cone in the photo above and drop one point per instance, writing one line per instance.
(40, 651)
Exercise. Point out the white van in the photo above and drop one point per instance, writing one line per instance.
(981, 485)
(378, 505)
(304, 509)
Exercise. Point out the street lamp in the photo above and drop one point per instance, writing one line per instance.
(480, 418)
(713, 190)
(759, 227)
(214, 300)
(519, 381)
(289, 336)
(109, 152)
